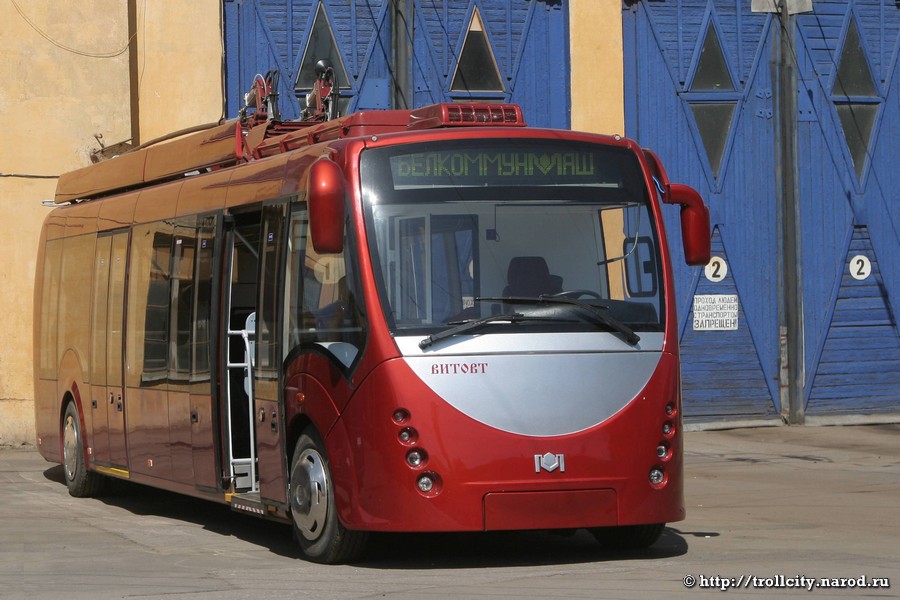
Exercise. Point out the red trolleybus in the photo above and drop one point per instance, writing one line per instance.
(426, 320)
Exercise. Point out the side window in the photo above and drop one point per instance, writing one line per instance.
(268, 361)
(49, 315)
(100, 309)
(630, 260)
(201, 299)
(640, 267)
(323, 306)
(169, 302)
(148, 304)
(184, 255)
(74, 295)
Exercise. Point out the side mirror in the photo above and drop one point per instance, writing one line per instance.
(694, 223)
(325, 195)
(694, 214)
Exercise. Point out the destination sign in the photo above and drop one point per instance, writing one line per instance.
(500, 167)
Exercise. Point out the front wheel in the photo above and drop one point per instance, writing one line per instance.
(317, 528)
(629, 537)
(81, 482)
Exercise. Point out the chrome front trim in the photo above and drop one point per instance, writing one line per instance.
(539, 386)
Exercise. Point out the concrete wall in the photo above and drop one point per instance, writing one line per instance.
(65, 73)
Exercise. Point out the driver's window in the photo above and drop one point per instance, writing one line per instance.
(323, 303)
(629, 258)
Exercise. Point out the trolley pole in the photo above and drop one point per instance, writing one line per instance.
(791, 336)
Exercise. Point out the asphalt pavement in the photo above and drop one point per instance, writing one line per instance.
(775, 511)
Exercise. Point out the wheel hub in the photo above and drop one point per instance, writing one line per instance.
(70, 447)
(309, 494)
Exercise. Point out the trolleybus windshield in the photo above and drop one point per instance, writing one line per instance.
(471, 230)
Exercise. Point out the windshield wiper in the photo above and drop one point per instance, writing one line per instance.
(595, 313)
(464, 326)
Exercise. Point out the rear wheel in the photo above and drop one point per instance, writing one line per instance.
(629, 537)
(317, 528)
(81, 482)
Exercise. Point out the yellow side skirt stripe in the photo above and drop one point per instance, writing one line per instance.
(123, 473)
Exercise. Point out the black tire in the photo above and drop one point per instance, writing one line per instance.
(318, 530)
(81, 482)
(629, 537)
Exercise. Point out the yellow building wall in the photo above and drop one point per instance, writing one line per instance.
(65, 73)
(597, 76)
(598, 81)
(179, 65)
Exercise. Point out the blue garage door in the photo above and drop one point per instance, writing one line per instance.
(292, 35)
(849, 109)
(452, 50)
(700, 90)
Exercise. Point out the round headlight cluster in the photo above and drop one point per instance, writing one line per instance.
(657, 475)
(428, 483)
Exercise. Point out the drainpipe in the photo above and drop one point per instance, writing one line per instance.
(790, 318)
(401, 19)
(133, 75)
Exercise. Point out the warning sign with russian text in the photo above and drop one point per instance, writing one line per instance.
(715, 312)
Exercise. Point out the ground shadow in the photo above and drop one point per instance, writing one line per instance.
(385, 551)
(55, 474)
(142, 500)
(504, 549)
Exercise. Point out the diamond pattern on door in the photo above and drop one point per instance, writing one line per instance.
(476, 69)
(714, 100)
(855, 98)
(320, 45)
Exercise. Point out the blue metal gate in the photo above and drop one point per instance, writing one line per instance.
(390, 54)
(700, 90)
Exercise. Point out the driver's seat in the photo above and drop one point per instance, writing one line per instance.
(529, 277)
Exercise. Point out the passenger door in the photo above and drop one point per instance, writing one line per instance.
(99, 334)
(107, 386)
(267, 374)
(115, 382)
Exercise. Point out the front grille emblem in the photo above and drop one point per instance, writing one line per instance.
(550, 462)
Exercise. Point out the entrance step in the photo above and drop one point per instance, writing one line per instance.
(248, 503)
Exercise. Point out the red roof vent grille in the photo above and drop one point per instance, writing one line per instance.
(466, 115)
